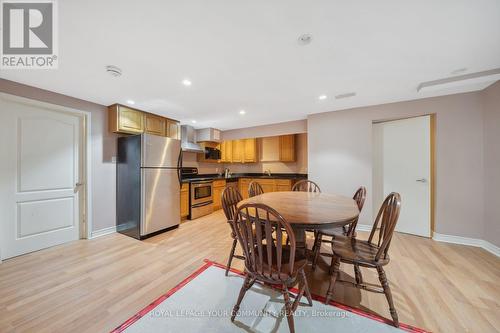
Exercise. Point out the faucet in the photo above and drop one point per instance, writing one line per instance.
(227, 173)
(268, 172)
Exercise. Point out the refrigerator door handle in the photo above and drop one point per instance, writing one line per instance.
(179, 168)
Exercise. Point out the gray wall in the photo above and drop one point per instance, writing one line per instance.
(340, 156)
(103, 148)
(491, 100)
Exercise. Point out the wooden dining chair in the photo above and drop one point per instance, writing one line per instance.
(306, 185)
(254, 189)
(230, 198)
(372, 253)
(270, 261)
(349, 230)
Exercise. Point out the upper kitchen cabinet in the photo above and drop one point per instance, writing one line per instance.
(238, 147)
(278, 148)
(287, 148)
(250, 150)
(123, 119)
(226, 152)
(154, 124)
(173, 129)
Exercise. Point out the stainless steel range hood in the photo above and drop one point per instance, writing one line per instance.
(188, 140)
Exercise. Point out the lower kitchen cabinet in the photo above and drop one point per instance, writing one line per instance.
(243, 186)
(184, 200)
(283, 185)
(218, 187)
(268, 185)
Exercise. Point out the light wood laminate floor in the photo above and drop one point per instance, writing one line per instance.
(94, 285)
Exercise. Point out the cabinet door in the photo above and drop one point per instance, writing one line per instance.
(222, 147)
(217, 195)
(229, 151)
(283, 185)
(268, 185)
(130, 120)
(238, 151)
(250, 151)
(154, 124)
(173, 129)
(243, 187)
(287, 148)
(185, 200)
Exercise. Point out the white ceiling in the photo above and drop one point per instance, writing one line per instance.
(245, 54)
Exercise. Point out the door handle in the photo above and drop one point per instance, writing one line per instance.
(422, 180)
(78, 184)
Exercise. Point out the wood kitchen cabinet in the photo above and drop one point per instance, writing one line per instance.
(239, 151)
(268, 185)
(226, 152)
(250, 151)
(218, 187)
(238, 147)
(287, 148)
(126, 120)
(184, 200)
(282, 185)
(154, 124)
(243, 186)
(173, 129)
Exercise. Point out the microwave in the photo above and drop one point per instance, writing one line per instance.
(212, 153)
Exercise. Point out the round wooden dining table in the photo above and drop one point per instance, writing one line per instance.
(309, 210)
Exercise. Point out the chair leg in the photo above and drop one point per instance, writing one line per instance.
(306, 288)
(317, 249)
(246, 285)
(288, 310)
(357, 274)
(333, 279)
(231, 255)
(388, 295)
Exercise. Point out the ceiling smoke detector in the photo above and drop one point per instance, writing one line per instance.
(305, 39)
(113, 70)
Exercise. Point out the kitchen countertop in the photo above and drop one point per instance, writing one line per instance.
(236, 176)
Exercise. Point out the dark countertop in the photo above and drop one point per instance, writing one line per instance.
(236, 176)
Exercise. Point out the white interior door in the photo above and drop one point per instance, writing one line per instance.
(406, 169)
(39, 174)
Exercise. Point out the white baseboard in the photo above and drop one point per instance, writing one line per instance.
(102, 232)
(364, 227)
(467, 241)
(452, 239)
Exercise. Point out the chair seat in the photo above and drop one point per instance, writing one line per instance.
(299, 263)
(357, 251)
(337, 231)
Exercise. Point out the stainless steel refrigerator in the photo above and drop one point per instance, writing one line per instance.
(148, 183)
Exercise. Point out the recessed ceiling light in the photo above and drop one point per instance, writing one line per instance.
(346, 95)
(242, 112)
(186, 82)
(131, 102)
(193, 121)
(305, 39)
(113, 70)
(322, 97)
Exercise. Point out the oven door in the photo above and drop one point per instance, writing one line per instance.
(201, 192)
